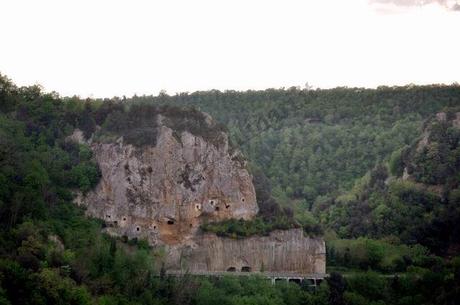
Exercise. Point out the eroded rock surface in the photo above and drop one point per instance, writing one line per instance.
(283, 251)
(164, 192)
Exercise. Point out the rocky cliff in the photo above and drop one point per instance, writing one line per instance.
(164, 192)
(164, 189)
(283, 251)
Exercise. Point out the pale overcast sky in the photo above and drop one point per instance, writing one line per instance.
(106, 48)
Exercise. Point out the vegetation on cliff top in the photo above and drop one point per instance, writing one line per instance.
(139, 124)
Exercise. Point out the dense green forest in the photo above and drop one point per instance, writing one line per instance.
(331, 161)
(316, 143)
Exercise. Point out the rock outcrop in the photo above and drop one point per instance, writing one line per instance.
(428, 148)
(164, 192)
(283, 251)
(165, 188)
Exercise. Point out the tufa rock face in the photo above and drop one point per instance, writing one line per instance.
(162, 189)
(164, 192)
(283, 251)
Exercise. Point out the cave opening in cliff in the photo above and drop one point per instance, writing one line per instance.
(217, 208)
(138, 229)
(231, 269)
(170, 222)
(124, 218)
(245, 269)
(242, 199)
(227, 206)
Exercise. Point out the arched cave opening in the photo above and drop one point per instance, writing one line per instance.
(138, 229)
(170, 222)
(245, 269)
(231, 269)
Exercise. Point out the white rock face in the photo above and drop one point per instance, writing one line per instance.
(164, 192)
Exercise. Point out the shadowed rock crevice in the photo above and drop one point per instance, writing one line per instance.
(189, 178)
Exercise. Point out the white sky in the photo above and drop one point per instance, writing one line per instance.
(107, 48)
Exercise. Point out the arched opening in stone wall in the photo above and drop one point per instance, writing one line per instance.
(138, 229)
(170, 222)
(245, 269)
(295, 280)
(231, 269)
(227, 206)
(242, 199)
(124, 218)
(217, 208)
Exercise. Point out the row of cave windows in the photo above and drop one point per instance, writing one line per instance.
(243, 269)
(169, 222)
(212, 202)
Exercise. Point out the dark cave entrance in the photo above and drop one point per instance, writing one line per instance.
(245, 269)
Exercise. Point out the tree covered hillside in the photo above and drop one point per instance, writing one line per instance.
(316, 143)
(313, 145)
(414, 198)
